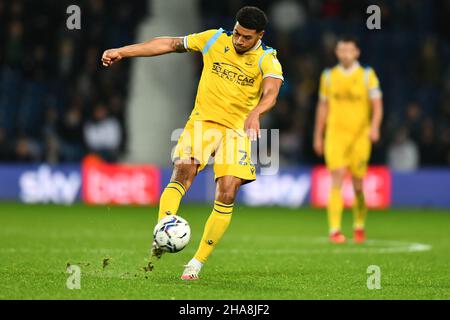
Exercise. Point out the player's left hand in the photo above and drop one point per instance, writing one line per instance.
(251, 126)
(374, 135)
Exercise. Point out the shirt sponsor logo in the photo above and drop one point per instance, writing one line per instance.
(347, 96)
(233, 74)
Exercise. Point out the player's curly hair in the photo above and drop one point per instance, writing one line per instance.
(252, 18)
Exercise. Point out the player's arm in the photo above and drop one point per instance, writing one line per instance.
(376, 102)
(319, 127)
(151, 48)
(377, 117)
(271, 88)
(321, 113)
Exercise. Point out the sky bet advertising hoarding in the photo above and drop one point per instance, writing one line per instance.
(40, 183)
(120, 184)
(95, 182)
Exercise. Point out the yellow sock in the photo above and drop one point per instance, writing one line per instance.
(170, 199)
(335, 207)
(215, 227)
(359, 211)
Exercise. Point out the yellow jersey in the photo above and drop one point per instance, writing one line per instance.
(231, 84)
(348, 93)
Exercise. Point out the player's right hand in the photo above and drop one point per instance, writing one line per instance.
(252, 126)
(374, 135)
(318, 146)
(110, 57)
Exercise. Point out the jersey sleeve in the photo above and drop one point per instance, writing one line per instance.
(324, 87)
(374, 85)
(197, 41)
(271, 67)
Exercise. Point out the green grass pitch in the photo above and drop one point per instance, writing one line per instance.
(267, 253)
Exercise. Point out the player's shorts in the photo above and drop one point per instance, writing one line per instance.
(348, 151)
(206, 141)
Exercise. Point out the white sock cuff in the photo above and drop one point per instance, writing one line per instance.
(195, 263)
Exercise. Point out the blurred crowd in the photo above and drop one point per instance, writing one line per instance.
(56, 104)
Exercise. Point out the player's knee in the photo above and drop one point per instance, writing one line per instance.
(226, 197)
(227, 188)
(337, 178)
(337, 183)
(184, 173)
(358, 186)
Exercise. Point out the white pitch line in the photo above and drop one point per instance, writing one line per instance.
(371, 246)
(317, 247)
(71, 251)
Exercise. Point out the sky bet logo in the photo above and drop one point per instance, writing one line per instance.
(232, 73)
(45, 184)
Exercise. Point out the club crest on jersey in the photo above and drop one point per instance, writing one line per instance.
(250, 61)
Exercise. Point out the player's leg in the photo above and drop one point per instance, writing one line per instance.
(218, 222)
(190, 157)
(186, 167)
(183, 175)
(359, 211)
(336, 206)
(232, 168)
(358, 168)
(336, 158)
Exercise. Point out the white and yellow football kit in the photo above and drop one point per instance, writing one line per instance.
(230, 87)
(348, 93)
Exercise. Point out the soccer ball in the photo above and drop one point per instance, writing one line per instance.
(172, 233)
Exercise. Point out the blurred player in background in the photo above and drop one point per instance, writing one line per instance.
(348, 119)
(240, 81)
